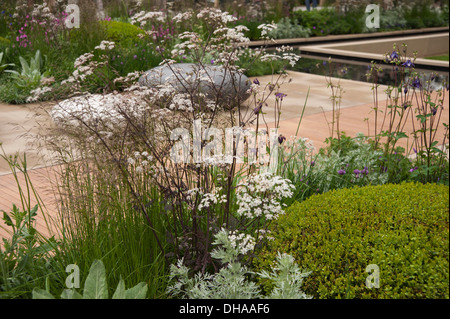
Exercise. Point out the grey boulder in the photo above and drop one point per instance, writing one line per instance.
(211, 80)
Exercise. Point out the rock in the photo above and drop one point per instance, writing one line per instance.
(210, 79)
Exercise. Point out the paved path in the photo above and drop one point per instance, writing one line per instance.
(356, 105)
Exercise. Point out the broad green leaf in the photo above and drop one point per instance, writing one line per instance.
(71, 294)
(25, 66)
(96, 286)
(137, 292)
(120, 291)
(39, 293)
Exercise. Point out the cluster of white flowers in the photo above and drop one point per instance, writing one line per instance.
(266, 28)
(241, 242)
(105, 45)
(216, 16)
(140, 161)
(82, 59)
(212, 198)
(129, 79)
(233, 35)
(95, 108)
(84, 66)
(37, 93)
(143, 17)
(184, 16)
(181, 102)
(192, 42)
(261, 195)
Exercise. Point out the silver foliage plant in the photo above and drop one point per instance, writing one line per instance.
(232, 281)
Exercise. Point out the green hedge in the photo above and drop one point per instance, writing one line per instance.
(121, 32)
(4, 43)
(402, 228)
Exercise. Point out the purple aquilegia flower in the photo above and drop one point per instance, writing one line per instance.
(356, 172)
(365, 171)
(280, 96)
(416, 83)
(394, 55)
(281, 139)
(408, 64)
(255, 81)
(341, 172)
(405, 90)
(434, 110)
(413, 169)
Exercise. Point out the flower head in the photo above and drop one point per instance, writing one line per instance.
(394, 55)
(341, 172)
(434, 110)
(280, 96)
(408, 64)
(281, 139)
(416, 83)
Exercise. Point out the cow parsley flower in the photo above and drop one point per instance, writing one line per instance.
(261, 196)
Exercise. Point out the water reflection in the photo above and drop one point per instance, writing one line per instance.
(357, 71)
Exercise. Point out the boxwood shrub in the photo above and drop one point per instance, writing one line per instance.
(401, 228)
(4, 43)
(121, 32)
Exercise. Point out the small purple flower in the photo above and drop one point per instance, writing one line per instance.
(212, 61)
(281, 139)
(341, 172)
(255, 81)
(394, 55)
(405, 90)
(365, 171)
(413, 169)
(434, 110)
(135, 56)
(313, 163)
(280, 96)
(408, 64)
(416, 83)
(415, 151)
(356, 172)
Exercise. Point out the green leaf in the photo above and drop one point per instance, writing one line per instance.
(71, 294)
(120, 291)
(7, 219)
(39, 293)
(137, 292)
(400, 135)
(25, 66)
(96, 286)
